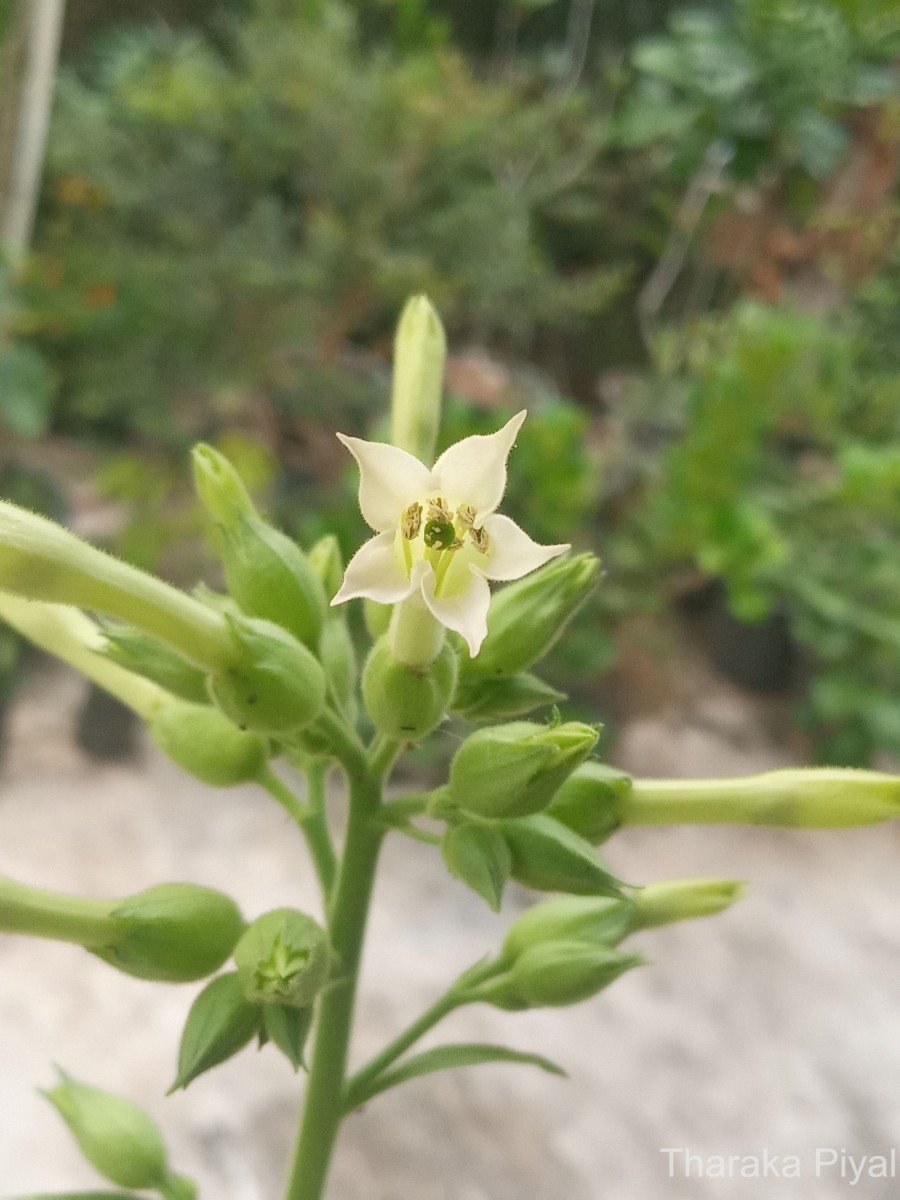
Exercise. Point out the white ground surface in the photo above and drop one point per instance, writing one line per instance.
(772, 1028)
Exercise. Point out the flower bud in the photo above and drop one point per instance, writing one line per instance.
(405, 703)
(420, 350)
(514, 770)
(477, 855)
(551, 858)
(338, 655)
(275, 685)
(588, 802)
(114, 1135)
(326, 560)
(555, 974)
(173, 932)
(527, 618)
(135, 651)
(683, 899)
(283, 958)
(267, 573)
(501, 699)
(206, 744)
(599, 920)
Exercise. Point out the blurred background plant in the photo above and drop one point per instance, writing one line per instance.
(670, 231)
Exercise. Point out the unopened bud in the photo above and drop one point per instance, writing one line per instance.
(551, 858)
(283, 958)
(405, 703)
(527, 618)
(267, 573)
(420, 350)
(136, 651)
(114, 1135)
(600, 920)
(514, 770)
(206, 744)
(555, 974)
(479, 699)
(338, 656)
(275, 685)
(588, 802)
(326, 560)
(683, 900)
(173, 932)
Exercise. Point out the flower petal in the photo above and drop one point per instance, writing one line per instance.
(473, 471)
(466, 612)
(374, 572)
(390, 480)
(512, 553)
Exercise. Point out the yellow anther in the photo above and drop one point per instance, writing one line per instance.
(411, 522)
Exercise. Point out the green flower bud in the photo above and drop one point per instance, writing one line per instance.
(283, 958)
(477, 855)
(173, 932)
(500, 699)
(683, 899)
(514, 770)
(551, 858)
(114, 1135)
(338, 655)
(326, 560)
(206, 744)
(588, 802)
(135, 651)
(527, 618)
(600, 920)
(275, 685)
(404, 702)
(420, 351)
(267, 573)
(555, 974)
(796, 797)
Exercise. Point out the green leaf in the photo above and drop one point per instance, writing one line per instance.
(27, 391)
(288, 1029)
(479, 857)
(467, 1054)
(500, 699)
(220, 1023)
(550, 857)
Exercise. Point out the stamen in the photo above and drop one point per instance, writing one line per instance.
(411, 522)
(466, 514)
(438, 511)
(480, 540)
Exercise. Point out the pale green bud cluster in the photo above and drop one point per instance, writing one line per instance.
(514, 770)
(116, 1137)
(283, 958)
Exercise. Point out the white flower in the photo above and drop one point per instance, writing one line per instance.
(437, 532)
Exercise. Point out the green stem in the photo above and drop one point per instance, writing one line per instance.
(41, 913)
(323, 1110)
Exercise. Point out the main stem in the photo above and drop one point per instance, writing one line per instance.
(350, 906)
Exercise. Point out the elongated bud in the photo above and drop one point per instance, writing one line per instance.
(275, 685)
(206, 744)
(114, 1135)
(556, 974)
(551, 858)
(683, 900)
(796, 797)
(40, 560)
(152, 659)
(326, 560)
(420, 351)
(600, 920)
(589, 801)
(527, 618)
(514, 770)
(267, 573)
(479, 699)
(283, 958)
(173, 932)
(404, 703)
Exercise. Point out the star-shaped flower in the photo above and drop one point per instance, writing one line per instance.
(437, 532)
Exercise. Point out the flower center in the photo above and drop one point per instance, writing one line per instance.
(431, 530)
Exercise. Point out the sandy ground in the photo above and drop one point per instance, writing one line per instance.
(773, 1028)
